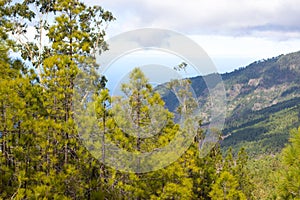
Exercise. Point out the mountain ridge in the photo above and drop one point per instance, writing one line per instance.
(262, 103)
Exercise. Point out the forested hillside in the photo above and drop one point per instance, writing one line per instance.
(57, 122)
(262, 103)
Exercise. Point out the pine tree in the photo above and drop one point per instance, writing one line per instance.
(18, 111)
(289, 177)
(47, 158)
(141, 111)
(226, 187)
(141, 115)
(241, 172)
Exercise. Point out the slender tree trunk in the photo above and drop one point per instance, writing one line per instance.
(103, 141)
(103, 136)
(139, 128)
(4, 134)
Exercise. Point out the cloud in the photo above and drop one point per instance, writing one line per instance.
(230, 17)
(234, 33)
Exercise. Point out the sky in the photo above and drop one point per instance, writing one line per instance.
(234, 33)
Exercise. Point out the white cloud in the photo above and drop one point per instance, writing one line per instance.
(233, 32)
(231, 17)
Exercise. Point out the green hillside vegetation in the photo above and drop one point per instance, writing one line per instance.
(262, 103)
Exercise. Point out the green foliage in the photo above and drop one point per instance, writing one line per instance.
(289, 182)
(42, 156)
(264, 131)
(263, 172)
(226, 188)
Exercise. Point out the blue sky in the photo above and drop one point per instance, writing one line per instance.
(234, 33)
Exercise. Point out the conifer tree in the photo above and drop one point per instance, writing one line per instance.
(242, 172)
(289, 176)
(18, 107)
(48, 160)
(226, 187)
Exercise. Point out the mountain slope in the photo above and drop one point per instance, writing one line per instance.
(263, 102)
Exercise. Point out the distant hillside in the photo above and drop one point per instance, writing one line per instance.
(263, 103)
